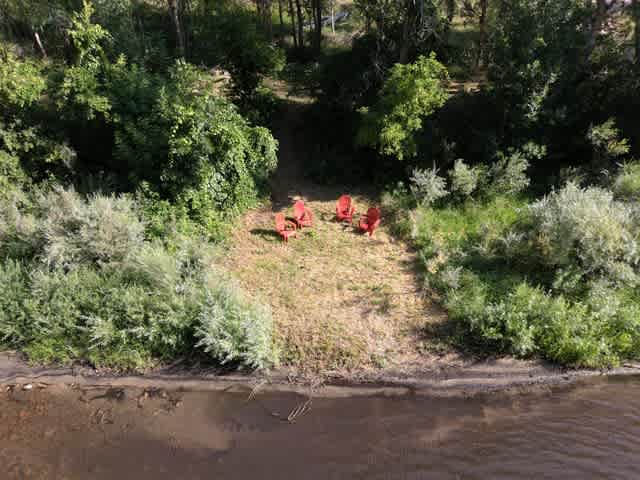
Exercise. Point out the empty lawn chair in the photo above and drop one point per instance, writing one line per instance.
(370, 221)
(286, 228)
(302, 215)
(345, 209)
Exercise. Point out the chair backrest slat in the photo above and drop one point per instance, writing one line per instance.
(344, 203)
(373, 214)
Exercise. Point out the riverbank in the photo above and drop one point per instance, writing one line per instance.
(585, 430)
(442, 380)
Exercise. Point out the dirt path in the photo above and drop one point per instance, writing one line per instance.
(340, 300)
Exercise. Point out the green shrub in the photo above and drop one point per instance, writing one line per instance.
(22, 82)
(627, 182)
(586, 229)
(104, 294)
(607, 142)
(100, 230)
(20, 235)
(528, 321)
(464, 179)
(556, 279)
(509, 173)
(411, 93)
(191, 148)
(12, 175)
(427, 186)
(16, 322)
(37, 154)
(232, 329)
(156, 305)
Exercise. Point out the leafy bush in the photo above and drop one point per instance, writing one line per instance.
(529, 321)
(464, 179)
(11, 173)
(589, 231)
(607, 142)
(15, 318)
(627, 183)
(427, 186)
(410, 93)
(230, 35)
(100, 230)
(215, 158)
(509, 173)
(35, 152)
(155, 305)
(192, 148)
(21, 82)
(557, 278)
(20, 236)
(232, 329)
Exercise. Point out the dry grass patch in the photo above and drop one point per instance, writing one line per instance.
(340, 300)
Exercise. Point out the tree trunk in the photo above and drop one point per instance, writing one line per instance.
(174, 12)
(317, 33)
(281, 29)
(40, 46)
(300, 24)
(293, 24)
(636, 18)
(405, 44)
(482, 22)
(333, 18)
(268, 22)
(263, 7)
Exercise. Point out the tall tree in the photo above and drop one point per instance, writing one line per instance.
(281, 29)
(294, 33)
(176, 10)
(316, 6)
(300, 23)
(264, 12)
(403, 56)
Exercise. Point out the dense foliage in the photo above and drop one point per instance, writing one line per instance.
(410, 93)
(83, 283)
(121, 274)
(166, 134)
(129, 126)
(556, 277)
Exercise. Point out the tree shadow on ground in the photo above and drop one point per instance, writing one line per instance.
(450, 335)
(265, 233)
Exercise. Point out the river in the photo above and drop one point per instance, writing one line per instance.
(585, 431)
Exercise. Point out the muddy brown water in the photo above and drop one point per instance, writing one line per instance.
(586, 431)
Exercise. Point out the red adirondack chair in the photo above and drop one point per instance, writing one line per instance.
(370, 221)
(286, 228)
(345, 209)
(302, 215)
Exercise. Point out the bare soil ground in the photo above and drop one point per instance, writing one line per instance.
(340, 300)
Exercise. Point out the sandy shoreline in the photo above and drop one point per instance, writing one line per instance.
(503, 375)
